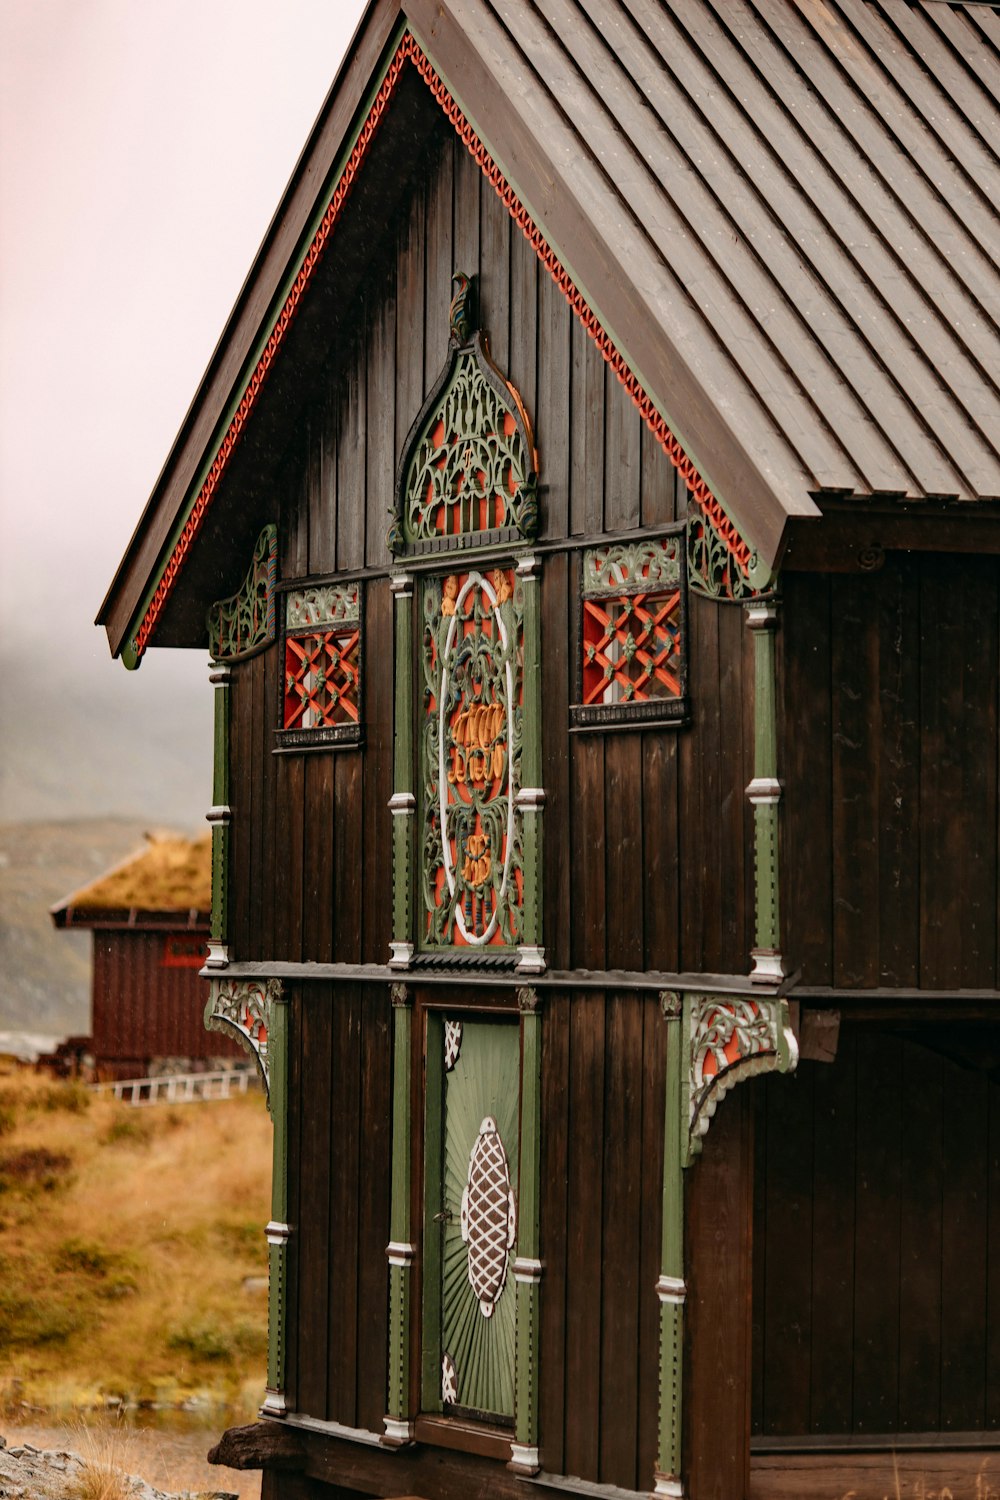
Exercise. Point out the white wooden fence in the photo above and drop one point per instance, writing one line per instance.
(181, 1088)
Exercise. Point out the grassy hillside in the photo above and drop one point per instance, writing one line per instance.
(132, 1253)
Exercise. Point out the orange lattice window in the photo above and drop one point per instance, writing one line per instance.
(322, 685)
(321, 679)
(633, 665)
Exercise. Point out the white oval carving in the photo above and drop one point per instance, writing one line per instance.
(474, 580)
(489, 1216)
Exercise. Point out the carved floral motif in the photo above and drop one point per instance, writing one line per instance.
(242, 1009)
(245, 623)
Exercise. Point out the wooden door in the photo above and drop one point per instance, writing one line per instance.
(469, 1332)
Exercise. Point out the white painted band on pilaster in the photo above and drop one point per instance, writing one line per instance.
(400, 955)
(762, 616)
(400, 1254)
(277, 1233)
(526, 565)
(528, 1270)
(397, 1431)
(219, 674)
(218, 955)
(402, 804)
(275, 1404)
(401, 586)
(764, 790)
(219, 814)
(531, 798)
(671, 1289)
(524, 1459)
(666, 1484)
(530, 960)
(768, 966)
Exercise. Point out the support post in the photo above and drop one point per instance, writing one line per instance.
(671, 1288)
(219, 816)
(278, 1230)
(764, 793)
(528, 1266)
(403, 803)
(531, 797)
(400, 1250)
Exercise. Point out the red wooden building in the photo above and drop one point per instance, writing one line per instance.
(605, 646)
(150, 917)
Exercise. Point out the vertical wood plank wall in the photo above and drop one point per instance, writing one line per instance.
(311, 846)
(876, 1257)
(890, 815)
(144, 1009)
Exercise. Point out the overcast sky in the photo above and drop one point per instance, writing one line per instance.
(144, 145)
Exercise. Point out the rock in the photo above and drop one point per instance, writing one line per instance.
(30, 1473)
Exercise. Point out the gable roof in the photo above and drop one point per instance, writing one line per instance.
(171, 876)
(778, 218)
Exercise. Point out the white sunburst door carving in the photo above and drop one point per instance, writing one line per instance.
(479, 1218)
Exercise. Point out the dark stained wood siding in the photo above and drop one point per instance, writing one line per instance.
(890, 759)
(875, 1253)
(144, 1009)
(339, 1157)
(602, 1107)
(311, 847)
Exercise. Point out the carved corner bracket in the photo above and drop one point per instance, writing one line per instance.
(729, 1039)
(242, 1009)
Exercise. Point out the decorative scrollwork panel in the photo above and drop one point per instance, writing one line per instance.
(472, 871)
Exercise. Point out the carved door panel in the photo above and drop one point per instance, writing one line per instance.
(472, 1214)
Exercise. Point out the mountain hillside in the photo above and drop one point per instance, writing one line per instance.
(47, 973)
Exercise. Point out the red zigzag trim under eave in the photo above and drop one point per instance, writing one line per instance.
(410, 51)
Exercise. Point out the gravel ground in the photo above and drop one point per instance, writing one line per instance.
(173, 1461)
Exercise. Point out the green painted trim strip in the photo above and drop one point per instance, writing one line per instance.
(220, 797)
(399, 1219)
(277, 1043)
(430, 1344)
(531, 758)
(403, 823)
(253, 359)
(669, 1452)
(528, 1228)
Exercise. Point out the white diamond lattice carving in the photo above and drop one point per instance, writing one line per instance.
(449, 1379)
(452, 1044)
(489, 1216)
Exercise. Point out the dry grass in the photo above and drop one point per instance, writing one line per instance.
(106, 1450)
(126, 1237)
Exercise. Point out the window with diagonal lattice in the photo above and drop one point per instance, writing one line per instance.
(633, 636)
(322, 667)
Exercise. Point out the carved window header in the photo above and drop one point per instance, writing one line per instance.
(321, 693)
(467, 472)
(632, 662)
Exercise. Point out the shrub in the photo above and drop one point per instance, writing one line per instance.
(33, 1167)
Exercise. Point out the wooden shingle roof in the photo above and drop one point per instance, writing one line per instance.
(784, 214)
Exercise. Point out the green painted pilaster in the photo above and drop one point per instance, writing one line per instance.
(670, 1287)
(278, 1231)
(430, 1368)
(219, 817)
(400, 1251)
(528, 1266)
(531, 796)
(402, 803)
(764, 792)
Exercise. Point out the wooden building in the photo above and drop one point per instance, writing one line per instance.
(605, 646)
(150, 917)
